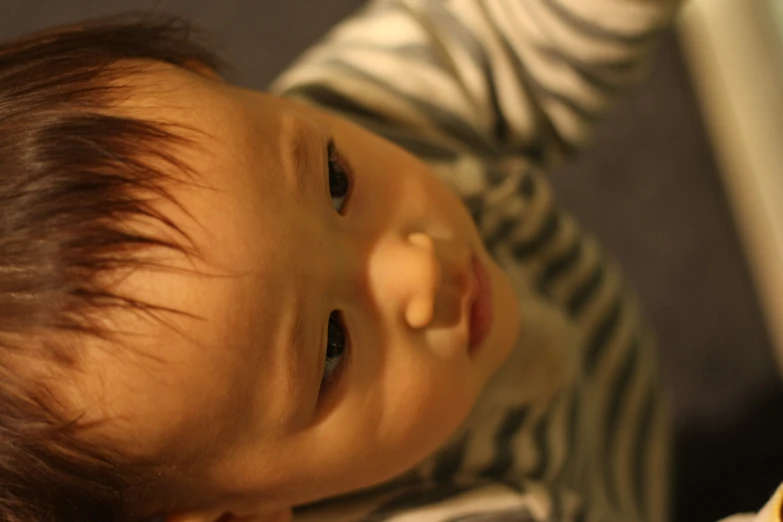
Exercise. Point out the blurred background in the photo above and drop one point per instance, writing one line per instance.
(682, 183)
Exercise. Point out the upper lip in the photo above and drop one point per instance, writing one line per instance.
(464, 291)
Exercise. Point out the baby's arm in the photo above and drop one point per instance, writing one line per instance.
(496, 77)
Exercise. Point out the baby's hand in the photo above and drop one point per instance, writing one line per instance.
(772, 512)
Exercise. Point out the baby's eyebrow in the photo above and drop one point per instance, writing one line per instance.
(298, 328)
(298, 150)
(301, 358)
(296, 325)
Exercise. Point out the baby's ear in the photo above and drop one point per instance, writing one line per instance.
(202, 69)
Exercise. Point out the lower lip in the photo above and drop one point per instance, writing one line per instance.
(481, 309)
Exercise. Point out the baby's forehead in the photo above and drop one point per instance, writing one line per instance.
(148, 82)
(225, 127)
(178, 382)
(161, 92)
(226, 132)
(121, 388)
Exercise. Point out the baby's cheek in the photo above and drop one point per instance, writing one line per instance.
(424, 402)
(413, 407)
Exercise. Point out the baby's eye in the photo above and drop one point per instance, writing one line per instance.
(336, 346)
(339, 178)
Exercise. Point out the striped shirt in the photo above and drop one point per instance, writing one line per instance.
(492, 94)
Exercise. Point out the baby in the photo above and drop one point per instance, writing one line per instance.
(352, 299)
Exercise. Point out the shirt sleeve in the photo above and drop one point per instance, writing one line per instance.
(489, 77)
(771, 512)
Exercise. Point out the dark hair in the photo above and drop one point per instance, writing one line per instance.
(71, 173)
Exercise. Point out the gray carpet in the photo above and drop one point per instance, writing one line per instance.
(648, 187)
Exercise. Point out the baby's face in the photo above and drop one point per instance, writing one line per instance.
(265, 391)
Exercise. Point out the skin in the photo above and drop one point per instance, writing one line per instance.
(234, 390)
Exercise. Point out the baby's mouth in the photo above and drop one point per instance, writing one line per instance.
(480, 311)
